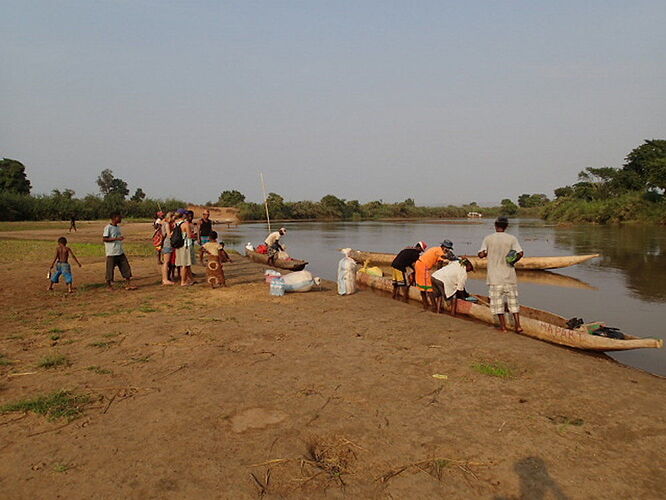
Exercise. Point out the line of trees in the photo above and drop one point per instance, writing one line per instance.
(16, 202)
(330, 207)
(634, 192)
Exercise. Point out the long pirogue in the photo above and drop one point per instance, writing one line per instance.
(536, 323)
(533, 263)
(292, 264)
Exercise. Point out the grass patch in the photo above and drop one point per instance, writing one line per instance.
(15, 337)
(4, 361)
(141, 359)
(53, 361)
(39, 250)
(57, 405)
(103, 345)
(56, 330)
(104, 314)
(61, 467)
(55, 337)
(147, 309)
(91, 286)
(99, 370)
(499, 370)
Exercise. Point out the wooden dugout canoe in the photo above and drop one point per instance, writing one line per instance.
(531, 263)
(536, 323)
(544, 278)
(291, 265)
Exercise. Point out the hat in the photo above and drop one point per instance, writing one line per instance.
(421, 244)
(181, 211)
(447, 244)
(502, 220)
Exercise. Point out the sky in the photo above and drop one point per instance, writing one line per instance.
(439, 101)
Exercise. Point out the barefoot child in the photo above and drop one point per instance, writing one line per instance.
(216, 256)
(62, 265)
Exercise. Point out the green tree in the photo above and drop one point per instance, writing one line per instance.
(138, 195)
(333, 207)
(648, 161)
(109, 185)
(105, 181)
(231, 198)
(563, 192)
(13, 178)
(508, 207)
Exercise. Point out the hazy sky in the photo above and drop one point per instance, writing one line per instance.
(441, 101)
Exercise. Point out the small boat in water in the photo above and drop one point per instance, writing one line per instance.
(289, 264)
(542, 325)
(531, 263)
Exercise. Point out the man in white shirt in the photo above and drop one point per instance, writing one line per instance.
(448, 283)
(115, 253)
(273, 243)
(502, 281)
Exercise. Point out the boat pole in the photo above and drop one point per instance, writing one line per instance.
(263, 188)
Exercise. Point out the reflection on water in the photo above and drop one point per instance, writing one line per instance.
(627, 285)
(636, 251)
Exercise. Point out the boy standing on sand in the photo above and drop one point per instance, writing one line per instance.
(115, 253)
(62, 265)
(502, 281)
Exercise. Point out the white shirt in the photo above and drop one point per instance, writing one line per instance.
(112, 247)
(273, 238)
(454, 277)
(498, 245)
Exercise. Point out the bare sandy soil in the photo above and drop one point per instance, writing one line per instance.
(232, 393)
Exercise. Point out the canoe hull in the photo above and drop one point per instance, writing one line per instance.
(531, 263)
(291, 265)
(532, 321)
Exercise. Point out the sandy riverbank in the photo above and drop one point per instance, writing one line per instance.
(199, 393)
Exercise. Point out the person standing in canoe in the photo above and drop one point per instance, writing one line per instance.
(423, 266)
(405, 260)
(274, 246)
(503, 251)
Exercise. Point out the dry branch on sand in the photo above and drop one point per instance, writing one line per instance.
(433, 467)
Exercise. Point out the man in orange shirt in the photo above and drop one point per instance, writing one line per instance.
(426, 262)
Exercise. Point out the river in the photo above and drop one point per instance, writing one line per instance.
(625, 287)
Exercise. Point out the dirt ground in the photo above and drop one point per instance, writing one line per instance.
(232, 393)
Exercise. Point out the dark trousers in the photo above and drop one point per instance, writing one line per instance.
(121, 262)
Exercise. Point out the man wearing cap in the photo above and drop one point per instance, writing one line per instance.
(403, 261)
(449, 282)
(274, 245)
(501, 276)
(423, 266)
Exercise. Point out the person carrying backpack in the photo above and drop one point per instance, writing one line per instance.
(179, 239)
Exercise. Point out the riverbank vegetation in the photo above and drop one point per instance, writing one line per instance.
(17, 204)
(634, 192)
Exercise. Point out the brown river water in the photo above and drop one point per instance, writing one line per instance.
(625, 287)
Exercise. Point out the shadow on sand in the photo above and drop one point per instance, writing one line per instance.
(535, 481)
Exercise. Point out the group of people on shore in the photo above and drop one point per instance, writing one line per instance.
(436, 271)
(440, 275)
(174, 238)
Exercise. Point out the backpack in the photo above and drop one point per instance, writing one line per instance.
(177, 240)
